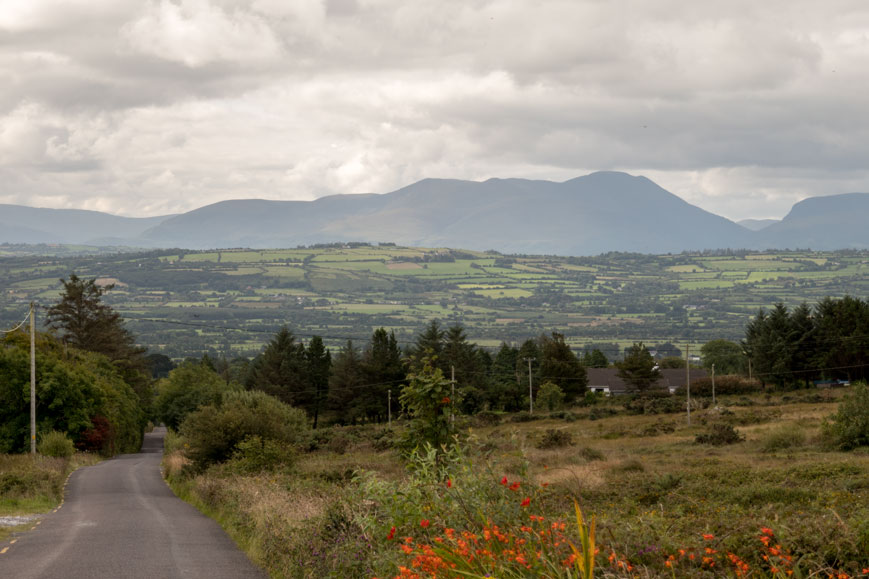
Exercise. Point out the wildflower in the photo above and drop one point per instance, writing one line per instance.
(391, 534)
(514, 486)
(708, 537)
(766, 531)
(424, 523)
(445, 400)
(525, 502)
(504, 481)
(449, 483)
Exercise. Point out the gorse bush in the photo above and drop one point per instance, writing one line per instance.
(555, 439)
(849, 427)
(56, 444)
(719, 434)
(214, 432)
(784, 437)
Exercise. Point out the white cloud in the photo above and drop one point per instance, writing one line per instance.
(740, 107)
(197, 32)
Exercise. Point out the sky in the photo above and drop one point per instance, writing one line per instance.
(152, 107)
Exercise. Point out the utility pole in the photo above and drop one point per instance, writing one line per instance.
(452, 397)
(688, 378)
(389, 406)
(749, 368)
(32, 378)
(713, 385)
(530, 388)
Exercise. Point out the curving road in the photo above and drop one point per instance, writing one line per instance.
(119, 520)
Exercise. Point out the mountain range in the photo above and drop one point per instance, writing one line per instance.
(596, 213)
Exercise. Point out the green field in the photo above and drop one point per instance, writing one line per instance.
(345, 292)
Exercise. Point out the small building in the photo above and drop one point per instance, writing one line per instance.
(607, 380)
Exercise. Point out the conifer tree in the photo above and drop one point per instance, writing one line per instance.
(638, 368)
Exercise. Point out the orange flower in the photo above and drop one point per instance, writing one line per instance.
(708, 537)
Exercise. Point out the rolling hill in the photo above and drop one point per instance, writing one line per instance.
(596, 213)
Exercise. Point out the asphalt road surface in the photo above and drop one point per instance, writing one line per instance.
(119, 519)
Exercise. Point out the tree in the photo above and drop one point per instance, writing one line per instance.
(595, 359)
(383, 370)
(727, 357)
(345, 384)
(279, 369)
(86, 323)
(505, 392)
(638, 368)
(560, 366)
(318, 365)
(429, 344)
(188, 387)
(470, 368)
(427, 400)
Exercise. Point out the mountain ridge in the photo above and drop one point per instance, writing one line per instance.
(587, 215)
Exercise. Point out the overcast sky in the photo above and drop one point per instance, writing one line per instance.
(142, 108)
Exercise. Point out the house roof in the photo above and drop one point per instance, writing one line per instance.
(671, 378)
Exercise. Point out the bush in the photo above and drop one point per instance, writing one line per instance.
(215, 432)
(726, 384)
(487, 418)
(719, 434)
(56, 444)
(599, 412)
(555, 439)
(849, 427)
(550, 396)
(784, 437)
(655, 402)
(256, 454)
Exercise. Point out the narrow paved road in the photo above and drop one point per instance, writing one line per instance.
(120, 520)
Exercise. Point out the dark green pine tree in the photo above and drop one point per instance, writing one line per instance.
(383, 370)
(595, 359)
(470, 370)
(279, 370)
(559, 365)
(318, 367)
(506, 393)
(638, 368)
(345, 385)
(429, 344)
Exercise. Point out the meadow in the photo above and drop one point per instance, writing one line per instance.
(776, 501)
(232, 301)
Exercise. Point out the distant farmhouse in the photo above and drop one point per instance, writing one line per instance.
(607, 380)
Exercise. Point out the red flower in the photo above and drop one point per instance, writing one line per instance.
(514, 486)
(504, 481)
(445, 400)
(391, 534)
(525, 502)
(708, 537)
(449, 483)
(424, 523)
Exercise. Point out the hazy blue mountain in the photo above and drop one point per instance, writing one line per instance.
(757, 224)
(20, 224)
(588, 215)
(597, 213)
(832, 222)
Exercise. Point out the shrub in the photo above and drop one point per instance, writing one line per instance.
(555, 439)
(590, 454)
(188, 387)
(257, 454)
(725, 384)
(599, 412)
(784, 437)
(487, 418)
(849, 427)
(550, 396)
(56, 444)
(214, 432)
(655, 402)
(719, 434)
